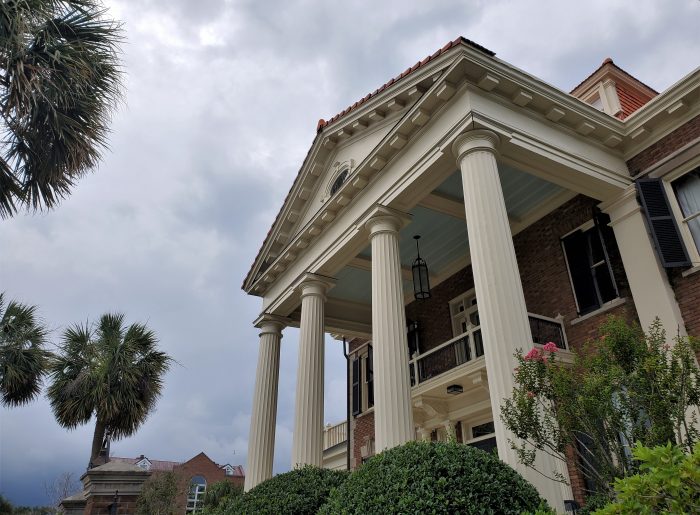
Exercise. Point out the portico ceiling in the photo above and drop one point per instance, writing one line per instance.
(439, 220)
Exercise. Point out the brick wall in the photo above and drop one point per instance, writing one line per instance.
(200, 465)
(362, 434)
(687, 289)
(665, 146)
(99, 504)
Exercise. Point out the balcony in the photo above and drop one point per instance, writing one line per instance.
(469, 347)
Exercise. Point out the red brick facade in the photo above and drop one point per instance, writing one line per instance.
(200, 465)
(678, 138)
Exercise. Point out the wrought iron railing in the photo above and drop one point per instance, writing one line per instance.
(470, 345)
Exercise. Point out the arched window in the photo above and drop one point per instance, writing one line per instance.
(195, 496)
(339, 181)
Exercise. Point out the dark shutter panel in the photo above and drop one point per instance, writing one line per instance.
(662, 223)
(356, 387)
(370, 379)
(576, 248)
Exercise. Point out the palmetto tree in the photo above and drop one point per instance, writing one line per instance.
(60, 81)
(23, 358)
(108, 370)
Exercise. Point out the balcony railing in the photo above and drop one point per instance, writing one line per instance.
(333, 435)
(470, 345)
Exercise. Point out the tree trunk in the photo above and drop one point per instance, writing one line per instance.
(97, 440)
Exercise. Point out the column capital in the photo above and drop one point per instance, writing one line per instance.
(477, 139)
(314, 284)
(622, 206)
(270, 324)
(385, 219)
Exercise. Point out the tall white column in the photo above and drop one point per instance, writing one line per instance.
(393, 415)
(502, 312)
(307, 441)
(651, 291)
(261, 439)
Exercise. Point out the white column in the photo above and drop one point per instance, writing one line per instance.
(504, 321)
(307, 441)
(651, 291)
(261, 439)
(393, 415)
(424, 434)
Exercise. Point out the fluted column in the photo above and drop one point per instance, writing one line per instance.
(504, 321)
(261, 439)
(393, 416)
(307, 441)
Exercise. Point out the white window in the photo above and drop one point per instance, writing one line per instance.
(228, 470)
(195, 497)
(464, 312)
(687, 193)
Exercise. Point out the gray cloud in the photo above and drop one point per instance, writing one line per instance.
(223, 100)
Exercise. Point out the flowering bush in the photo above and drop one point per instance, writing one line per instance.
(624, 387)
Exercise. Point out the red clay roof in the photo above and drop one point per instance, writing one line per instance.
(323, 123)
(165, 466)
(630, 99)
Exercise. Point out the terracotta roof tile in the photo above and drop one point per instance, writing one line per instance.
(323, 123)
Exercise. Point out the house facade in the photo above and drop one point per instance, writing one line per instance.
(539, 212)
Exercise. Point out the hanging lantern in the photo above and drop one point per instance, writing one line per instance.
(421, 282)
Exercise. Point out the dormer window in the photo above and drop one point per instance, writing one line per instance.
(339, 181)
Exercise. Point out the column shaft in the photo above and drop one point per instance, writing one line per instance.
(502, 312)
(393, 415)
(307, 442)
(651, 291)
(261, 440)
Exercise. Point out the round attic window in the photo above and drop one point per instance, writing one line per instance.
(339, 181)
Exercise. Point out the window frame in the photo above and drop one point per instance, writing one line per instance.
(583, 228)
(362, 357)
(667, 180)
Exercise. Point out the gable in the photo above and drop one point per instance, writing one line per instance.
(347, 157)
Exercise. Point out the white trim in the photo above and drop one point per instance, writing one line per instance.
(602, 309)
(667, 179)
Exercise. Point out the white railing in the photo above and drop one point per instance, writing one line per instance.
(469, 345)
(333, 435)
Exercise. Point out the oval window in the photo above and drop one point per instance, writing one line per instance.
(339, 181)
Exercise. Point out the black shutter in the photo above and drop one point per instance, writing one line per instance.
(576, 248)
(370, 379)
(356, 387)
(662, 223)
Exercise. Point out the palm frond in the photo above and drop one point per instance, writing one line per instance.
(23, 357)
(60, 82)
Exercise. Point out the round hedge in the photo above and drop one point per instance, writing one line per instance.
(299, 492)
(434, 477)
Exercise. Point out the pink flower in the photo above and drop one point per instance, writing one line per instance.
(666, 346)
(534, 354)
(530, 395)
(550, 347)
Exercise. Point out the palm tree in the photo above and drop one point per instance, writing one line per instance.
(110, 371)
(23, 359)
(60, 81)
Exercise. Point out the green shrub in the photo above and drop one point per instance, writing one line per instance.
(668, 482)
(299, 492)
(434, 477)
(220, 494)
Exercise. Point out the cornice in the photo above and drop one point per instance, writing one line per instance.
(418, 99)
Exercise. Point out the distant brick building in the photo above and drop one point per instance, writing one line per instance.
(114, 487)
(195, 475)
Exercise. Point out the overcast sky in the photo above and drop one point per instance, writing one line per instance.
(223, 98)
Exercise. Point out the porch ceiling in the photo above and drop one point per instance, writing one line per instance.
(444, 243)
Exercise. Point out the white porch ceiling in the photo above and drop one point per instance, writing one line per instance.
(444, 236)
